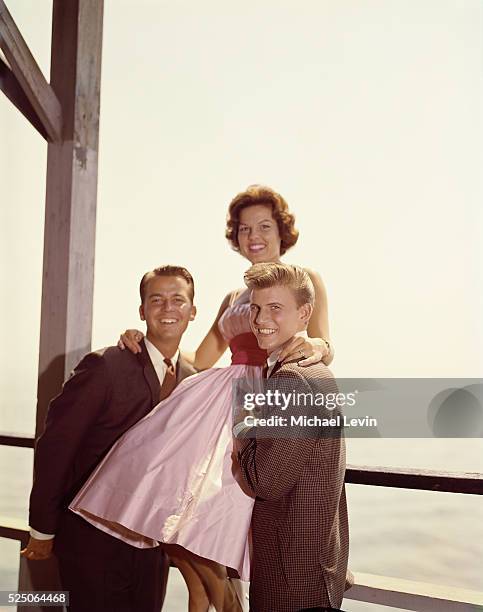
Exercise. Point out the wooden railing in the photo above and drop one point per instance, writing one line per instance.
(380, 590)
(412, 595)
(19, 440)
(470, 483)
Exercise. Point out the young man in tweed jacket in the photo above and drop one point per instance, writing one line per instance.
(300, 527)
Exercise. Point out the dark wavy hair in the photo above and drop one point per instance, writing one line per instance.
(260, 194)
(167, 271)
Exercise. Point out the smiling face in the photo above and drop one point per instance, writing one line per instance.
(275, 316)
(258, 235)
(167, 308)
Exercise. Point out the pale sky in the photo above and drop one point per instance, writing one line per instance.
(364, 114)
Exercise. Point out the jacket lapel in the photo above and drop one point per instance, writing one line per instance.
(279, 364)
(149, 374)
(275, 368)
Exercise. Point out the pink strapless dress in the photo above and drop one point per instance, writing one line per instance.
(171, 477)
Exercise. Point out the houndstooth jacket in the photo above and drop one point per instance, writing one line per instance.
(299, 525)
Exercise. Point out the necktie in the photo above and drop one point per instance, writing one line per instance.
(265, 371)
(169, 382)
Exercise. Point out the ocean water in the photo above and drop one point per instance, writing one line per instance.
(417, 535)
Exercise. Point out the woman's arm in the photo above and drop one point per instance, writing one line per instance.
(213, 345)
(319, 321)
(319, 346)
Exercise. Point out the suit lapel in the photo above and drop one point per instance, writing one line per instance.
(275, 368)
(149, 374)
(279, 364)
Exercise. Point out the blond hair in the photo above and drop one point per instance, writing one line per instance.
(265, 275)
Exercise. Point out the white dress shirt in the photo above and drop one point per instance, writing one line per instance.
(157, 359)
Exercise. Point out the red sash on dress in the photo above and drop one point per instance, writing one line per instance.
(245, 351)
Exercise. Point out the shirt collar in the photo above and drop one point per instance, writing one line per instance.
(273, 357)
(157, 356)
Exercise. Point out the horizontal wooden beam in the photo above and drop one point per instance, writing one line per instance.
(412, 595)
(14, 439)
(470, 483)
(11, 88)
(29, 76)
(13, 528)
(371, 588)
(422, 480)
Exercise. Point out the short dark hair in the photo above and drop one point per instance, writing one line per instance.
(167, 271)
(261, 194)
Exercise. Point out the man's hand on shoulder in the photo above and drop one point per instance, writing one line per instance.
(38, 550)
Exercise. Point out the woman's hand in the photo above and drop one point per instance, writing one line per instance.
(308, 350)
(131, 339)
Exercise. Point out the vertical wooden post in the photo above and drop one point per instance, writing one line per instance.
(71, 194)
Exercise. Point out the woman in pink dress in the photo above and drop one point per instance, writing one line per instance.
(171, 477)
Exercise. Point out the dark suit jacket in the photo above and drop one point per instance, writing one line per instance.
(299, 525)
(108, 392)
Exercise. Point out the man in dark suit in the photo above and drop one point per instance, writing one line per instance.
(108, 392)
(299, 524)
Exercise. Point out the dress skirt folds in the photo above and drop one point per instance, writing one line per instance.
(171, 477)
